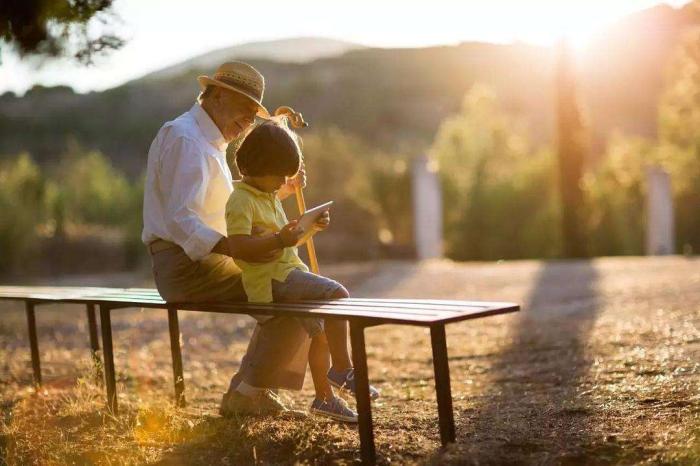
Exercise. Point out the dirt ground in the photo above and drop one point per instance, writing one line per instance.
(602, 366)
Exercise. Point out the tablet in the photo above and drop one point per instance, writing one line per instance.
(309, 218)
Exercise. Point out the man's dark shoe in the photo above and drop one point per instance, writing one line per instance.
(265, 402)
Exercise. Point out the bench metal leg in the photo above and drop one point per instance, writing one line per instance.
(94, 341)
(33, 343)
(364, 409)
(442, 384)
(110, 378)
(174, 327)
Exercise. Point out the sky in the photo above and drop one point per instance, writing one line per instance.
(160, 33)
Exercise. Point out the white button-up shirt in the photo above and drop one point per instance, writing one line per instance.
(188, 183)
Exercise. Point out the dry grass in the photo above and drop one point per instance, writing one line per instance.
(603, 367)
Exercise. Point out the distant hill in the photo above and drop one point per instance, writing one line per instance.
(392, 98)
(295, 50)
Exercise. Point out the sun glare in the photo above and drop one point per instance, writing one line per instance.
(545, 22)
(578, 23)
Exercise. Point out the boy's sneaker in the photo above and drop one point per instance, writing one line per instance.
(265, 402)
(335, 408)
(345, 380)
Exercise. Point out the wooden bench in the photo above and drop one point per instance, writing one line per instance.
(361, 313)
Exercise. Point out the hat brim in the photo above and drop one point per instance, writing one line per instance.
(205, 81)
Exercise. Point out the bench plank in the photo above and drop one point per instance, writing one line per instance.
(377, 311)
(377, 315)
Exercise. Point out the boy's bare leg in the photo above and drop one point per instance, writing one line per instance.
(319, 364)
(337, 334)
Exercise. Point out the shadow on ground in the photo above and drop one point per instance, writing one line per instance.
(535, 410)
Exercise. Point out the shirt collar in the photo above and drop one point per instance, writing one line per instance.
(240, 184)
(209, 129)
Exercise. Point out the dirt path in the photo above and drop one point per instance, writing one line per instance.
(602, 366)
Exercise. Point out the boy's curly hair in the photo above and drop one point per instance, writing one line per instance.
(269, 149)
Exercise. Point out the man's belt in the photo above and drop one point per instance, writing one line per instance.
(160, 245)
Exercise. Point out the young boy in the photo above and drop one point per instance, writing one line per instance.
(256, 223)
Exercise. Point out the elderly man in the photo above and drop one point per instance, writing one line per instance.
(188, 183)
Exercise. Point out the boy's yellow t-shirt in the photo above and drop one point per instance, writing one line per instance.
(248, 207)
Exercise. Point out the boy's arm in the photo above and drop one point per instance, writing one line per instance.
(222, 247)
(254, 248)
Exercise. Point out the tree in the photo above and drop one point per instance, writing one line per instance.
(571, 149)
(56, 28)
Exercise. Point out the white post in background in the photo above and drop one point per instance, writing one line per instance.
(660, 225)
(427, 209)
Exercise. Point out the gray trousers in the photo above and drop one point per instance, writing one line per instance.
(278, 350)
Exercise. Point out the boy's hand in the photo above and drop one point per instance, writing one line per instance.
(323, 221)
(290, 233)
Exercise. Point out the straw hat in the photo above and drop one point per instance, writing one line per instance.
(241, 78)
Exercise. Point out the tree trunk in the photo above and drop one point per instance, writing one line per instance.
(571, 150)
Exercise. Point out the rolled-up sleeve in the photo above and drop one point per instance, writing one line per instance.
(185, 166)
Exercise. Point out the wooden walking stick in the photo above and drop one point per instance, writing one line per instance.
(295, 120)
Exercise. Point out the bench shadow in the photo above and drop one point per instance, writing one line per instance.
(534, 410)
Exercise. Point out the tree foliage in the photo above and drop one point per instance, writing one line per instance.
(23, 207)
(615, 194)
(679, 133)
(617, 188)
(91, 190)
(371, 193)
(57, 27)
(498, 192)
(82, 194)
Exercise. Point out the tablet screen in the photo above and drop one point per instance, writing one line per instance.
(310, 217)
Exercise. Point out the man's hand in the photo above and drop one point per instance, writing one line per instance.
(290, 186)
